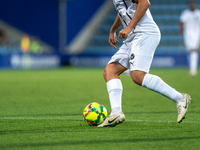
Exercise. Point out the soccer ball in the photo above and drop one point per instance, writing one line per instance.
(94, 114)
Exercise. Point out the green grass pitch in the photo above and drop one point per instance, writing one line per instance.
(42, 109)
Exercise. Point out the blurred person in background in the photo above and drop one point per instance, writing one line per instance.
(190, 28)
(2, 37)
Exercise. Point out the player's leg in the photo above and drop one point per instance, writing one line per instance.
(140, 65)
(117, 65)
(156, 84)
(114, 85)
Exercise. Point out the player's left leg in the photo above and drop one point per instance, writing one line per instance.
(140, 65)
(156, 84)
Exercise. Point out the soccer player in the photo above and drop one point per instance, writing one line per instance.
(190, 28)
(134, 57)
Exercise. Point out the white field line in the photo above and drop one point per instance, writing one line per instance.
(163, 121)
(32, 118)
(75, 119)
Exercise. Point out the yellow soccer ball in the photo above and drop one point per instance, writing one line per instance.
(94, 114)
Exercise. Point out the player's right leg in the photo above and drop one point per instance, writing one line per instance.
(117, 65)
(114, 88)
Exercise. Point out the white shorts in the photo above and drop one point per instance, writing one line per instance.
(138, 53)
(192, 41)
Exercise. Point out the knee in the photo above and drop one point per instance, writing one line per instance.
(137, 76)
(113, 70)
(108, 73)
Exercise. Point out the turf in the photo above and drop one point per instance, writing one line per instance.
(42, 109)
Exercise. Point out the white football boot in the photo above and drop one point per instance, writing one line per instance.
(182, 107)
(113, 120)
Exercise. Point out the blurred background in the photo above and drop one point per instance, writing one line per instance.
(54, 33)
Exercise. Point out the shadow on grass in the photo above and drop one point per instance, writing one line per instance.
(93, 142)
(44, 130)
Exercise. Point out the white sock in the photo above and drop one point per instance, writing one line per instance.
(114, 87)
(156, 84)
(194, 57)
